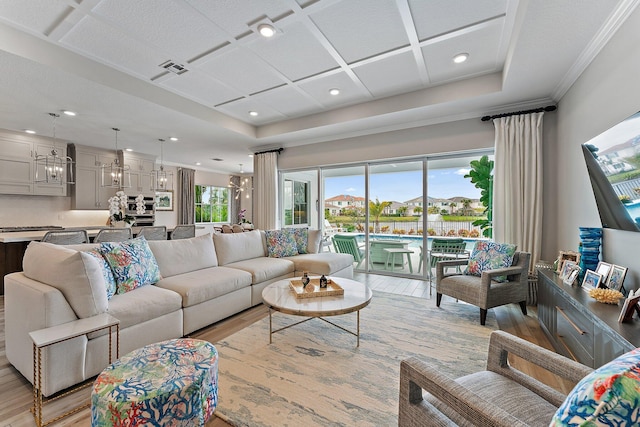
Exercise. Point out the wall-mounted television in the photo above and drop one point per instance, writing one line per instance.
(613, 163)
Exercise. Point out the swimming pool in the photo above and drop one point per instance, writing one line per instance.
(415, 241)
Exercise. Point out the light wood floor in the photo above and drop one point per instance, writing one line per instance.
(16, 393)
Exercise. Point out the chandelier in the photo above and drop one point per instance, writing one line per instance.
(243, 187)
(116, 175)
(51, 168)
(162, 180)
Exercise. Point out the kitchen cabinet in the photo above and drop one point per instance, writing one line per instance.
(140, 168)
(88, 192)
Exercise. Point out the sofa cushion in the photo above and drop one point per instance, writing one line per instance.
(232, 247)
(281, 243)
(132, 262)
(322, 263)
(301, 236)
(76, 274)
(206, 284)
(313, 241)
(143, 304)
(490, 256)
(184, 255)
(606, 397)
(107, 273)
(265, 268)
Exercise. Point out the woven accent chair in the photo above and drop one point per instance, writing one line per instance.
(156, 232)
(499, 396)
(348, 245)
(66, 237)
(113, 235)
(482, 291)
(184, 231)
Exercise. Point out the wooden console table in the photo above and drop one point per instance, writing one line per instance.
(579, 327)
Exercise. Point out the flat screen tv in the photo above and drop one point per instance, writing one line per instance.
(613, 163)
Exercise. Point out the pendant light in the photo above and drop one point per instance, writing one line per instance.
(243, 187)
(52, 168)
(162, 180)
(116, 175)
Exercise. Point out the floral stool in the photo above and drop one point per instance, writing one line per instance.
(173, 382)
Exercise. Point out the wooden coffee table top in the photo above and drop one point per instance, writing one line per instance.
(280, 297)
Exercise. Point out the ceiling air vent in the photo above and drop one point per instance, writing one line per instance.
(174, 67)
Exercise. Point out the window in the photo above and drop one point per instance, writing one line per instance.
(296, 202)
(212, 204)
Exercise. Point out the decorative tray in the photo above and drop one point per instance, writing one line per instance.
(332, 289)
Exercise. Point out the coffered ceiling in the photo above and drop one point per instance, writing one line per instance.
(195, 69)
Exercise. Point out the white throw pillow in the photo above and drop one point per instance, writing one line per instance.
(76, 274)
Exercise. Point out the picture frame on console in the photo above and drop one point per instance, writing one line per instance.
(571, 278)
(566, 268)
(604, 269)
(164, 200)
(567, 256)
(591, 280)
(616, 278)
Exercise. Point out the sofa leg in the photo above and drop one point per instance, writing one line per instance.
(523, 307)
(483, 316)
(438, 299)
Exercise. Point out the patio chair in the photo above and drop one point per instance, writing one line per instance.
(445, 249)
(112, 235)
(66, 237)
(348, 245)
(184, 231)
(158, 232)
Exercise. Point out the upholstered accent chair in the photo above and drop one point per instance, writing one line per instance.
(156, 232)
(66, 237)
(484, 291)
(498, 396)
(112, 235)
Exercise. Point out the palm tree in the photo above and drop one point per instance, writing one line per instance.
(452, 206)
(402, 210)
(466, 206)
(375, 211)
(418, 210)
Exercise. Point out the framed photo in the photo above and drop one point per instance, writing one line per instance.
(603, 269)
(573, 275)
(567, 267)
(567, 255)
(164, 200)
(591, 280)
(616, 278)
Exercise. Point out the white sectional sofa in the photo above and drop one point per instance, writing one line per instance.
(204, 279)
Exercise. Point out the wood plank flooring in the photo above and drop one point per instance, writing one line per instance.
(16, 392)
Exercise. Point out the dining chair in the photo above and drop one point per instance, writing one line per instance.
(156, 232)
(66, 237)
(183, 231)
(113, 235)
(237, 228)
(226, 228)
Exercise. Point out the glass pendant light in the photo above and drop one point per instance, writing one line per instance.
(116, 175)
(51, 168)
(162, 180)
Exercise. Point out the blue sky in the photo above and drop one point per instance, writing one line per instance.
(400, 187)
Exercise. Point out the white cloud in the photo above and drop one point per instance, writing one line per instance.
(462, 171)
(350, 190)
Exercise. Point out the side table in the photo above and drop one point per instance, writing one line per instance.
(46, 337)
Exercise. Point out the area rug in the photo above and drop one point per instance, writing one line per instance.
(314, 375)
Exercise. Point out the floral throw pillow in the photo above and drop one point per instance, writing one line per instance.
(301, 236)
(609, 396)
(132, 263)
(489, 256)
(281, 243)
(109, 279)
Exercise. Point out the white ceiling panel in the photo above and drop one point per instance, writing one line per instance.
(240, 69)
(198, 87)
(289, 101)
(392, 75)
(100, 41)
(360, 29)
(296, 53)
(481, 45)
(433, 18)
(349, 92)
(172, 27)
(37, 16)
(241, 108)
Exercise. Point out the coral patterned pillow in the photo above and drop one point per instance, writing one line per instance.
(132, 263)
(609, 396)
(281, 243)
(301, 236)
(489, 256)
(109, 279)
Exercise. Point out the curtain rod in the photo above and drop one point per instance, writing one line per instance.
(275, 150)
(515, 113)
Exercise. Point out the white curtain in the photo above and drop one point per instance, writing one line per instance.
(517, 184)
(265, 190)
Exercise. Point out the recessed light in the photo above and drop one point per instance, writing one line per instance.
(30, 131)
(173, 138)
(198, 163)
(266, 30)
(334, 91)
(253, 113)
(460, 58)
(128, 149)
(69, 113)
(250, 155)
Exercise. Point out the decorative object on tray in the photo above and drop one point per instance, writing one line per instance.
(630, 305)
(323, 282)
(313, 289)
(591, 280)
(117, 211)
(607, 296)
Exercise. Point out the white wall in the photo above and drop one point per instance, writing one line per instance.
(606, 93)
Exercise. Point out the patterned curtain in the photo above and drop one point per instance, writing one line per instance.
(265, 191)
(186, 195)
(234, 204)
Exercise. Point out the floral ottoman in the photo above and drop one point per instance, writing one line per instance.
(173, 382)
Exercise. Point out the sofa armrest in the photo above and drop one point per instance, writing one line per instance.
(501, 344)
(416, 376)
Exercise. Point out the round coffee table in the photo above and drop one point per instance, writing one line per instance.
(279, 297)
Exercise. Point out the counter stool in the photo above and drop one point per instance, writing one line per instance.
(173, 382)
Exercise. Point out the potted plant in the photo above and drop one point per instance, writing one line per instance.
(117, 211)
